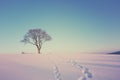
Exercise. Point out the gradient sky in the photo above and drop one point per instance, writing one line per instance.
(75, 25)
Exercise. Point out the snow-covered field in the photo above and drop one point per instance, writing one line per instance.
(59, 67)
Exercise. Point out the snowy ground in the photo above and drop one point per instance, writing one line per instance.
(59, 67)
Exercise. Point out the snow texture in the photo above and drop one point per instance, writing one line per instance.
(59, 67)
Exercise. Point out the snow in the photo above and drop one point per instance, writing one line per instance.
(59, 67)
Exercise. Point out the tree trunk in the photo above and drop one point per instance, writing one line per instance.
(38, 50)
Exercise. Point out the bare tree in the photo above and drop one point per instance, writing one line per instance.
(36, 37)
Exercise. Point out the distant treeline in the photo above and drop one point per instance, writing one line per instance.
(117, 52)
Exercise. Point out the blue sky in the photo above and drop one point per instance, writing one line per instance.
(75, 25)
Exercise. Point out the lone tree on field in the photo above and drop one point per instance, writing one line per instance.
(36, 37)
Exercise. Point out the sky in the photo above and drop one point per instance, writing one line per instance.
(75, 26)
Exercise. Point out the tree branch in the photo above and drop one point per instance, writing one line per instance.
(31, 43)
